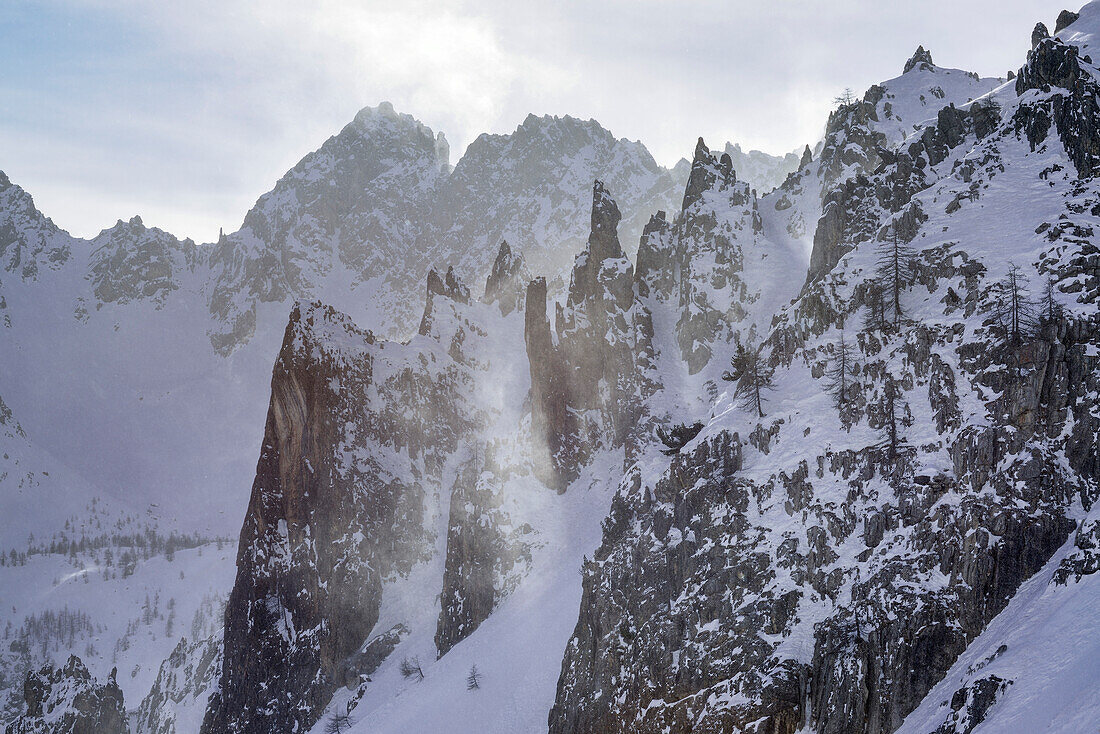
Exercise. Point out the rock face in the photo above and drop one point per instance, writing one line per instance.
(132, 262)
(308, 588)
(717, 221)
(68, 700)
(483, 550)
(587, 381)
(506, 282)
(1066, 18)
(1068, 102)
(357, 445)
(184, 682)
(767, 579)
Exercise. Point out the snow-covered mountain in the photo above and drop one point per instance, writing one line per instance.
(703, 455)
(763, 171)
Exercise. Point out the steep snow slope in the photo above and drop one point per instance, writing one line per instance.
(807, 568)
(1036, 667)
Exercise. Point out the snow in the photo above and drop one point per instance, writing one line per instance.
(1051, 654)
(128, 404)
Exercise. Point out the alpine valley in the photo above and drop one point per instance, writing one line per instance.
(557, 439)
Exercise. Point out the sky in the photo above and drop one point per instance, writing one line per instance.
(186, 112)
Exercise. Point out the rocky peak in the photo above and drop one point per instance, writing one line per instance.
(333, 511)
(921, 59)
(133, 262)
(385, 120)
(603, 242)
(29, 240)
(506, 281)
(67, 700)
(656, 270)
(707, 172)
(807, 158)
(1039, 33)
(1065, 19)
(587, 386)
(448, 286)
(1071, 109)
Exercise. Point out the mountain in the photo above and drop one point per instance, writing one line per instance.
(818, 458)
(763, 171)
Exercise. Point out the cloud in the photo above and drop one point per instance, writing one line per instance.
(175, 109)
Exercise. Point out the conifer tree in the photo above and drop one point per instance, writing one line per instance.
(473, 680)
(841, 370)
(1014, 312)
(894, 273)
(893, 409)
(677, 437)
(1052, 310)
(752, 376)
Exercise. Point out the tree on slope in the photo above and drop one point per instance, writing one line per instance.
(1052, 310)
(894, 273)
(337, 723)
(473, 680)
(893, 412)
(841, 372)
(875, 301)
(1014, 312)
(752, 376)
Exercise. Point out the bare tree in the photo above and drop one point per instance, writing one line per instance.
(337, 723)
(410, 668)
(1052, 310)
(893, 408)
(875, 301)
(841, 370)
(473, 680)
(752, 376)
(1014, 312)
(894, 273)
(844, 98)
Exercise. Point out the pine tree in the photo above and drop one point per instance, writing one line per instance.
(894, 272)
(410, 668)
(841, 371)
(875, 301)
(1014, 312)
(473, 680)
(893, 410)
(752, 376)
(1052, 310)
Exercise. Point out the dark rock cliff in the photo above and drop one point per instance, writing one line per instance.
(330, 516)
(587, 375)
(67, 700)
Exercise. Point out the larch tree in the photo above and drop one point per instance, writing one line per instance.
(752, 376)
(894, 272)
(841, 371)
